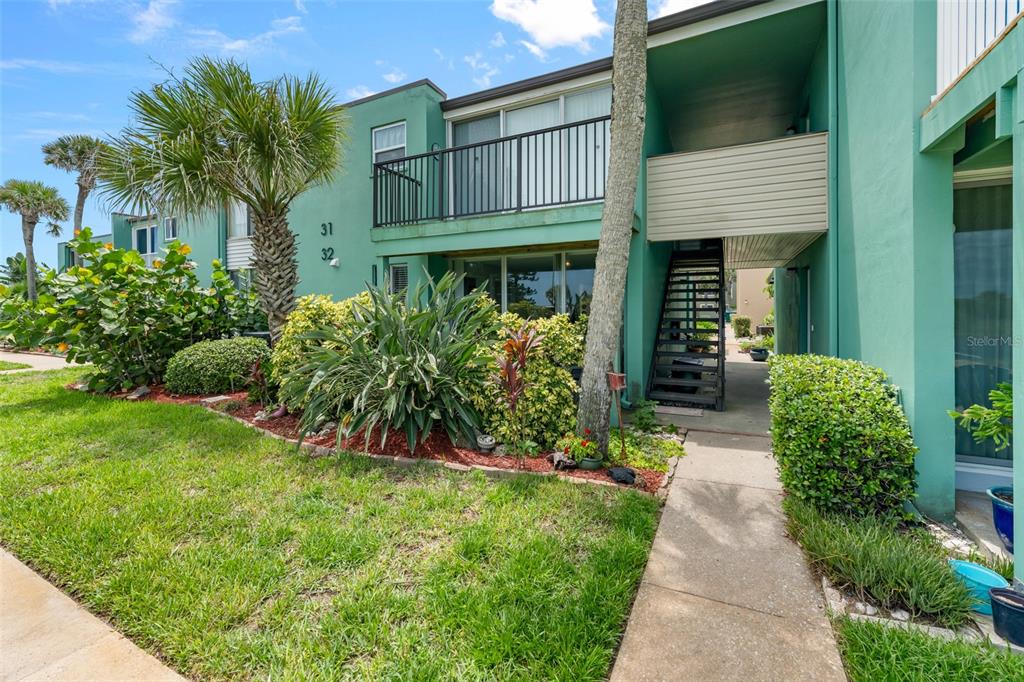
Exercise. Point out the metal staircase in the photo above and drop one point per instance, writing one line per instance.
(688, 365)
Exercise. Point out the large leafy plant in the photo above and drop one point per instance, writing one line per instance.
(397, 366)
(840, 437)
(128, 319)
(294, 346)
(547, 407)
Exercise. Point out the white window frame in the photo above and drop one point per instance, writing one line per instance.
(150, 240)
(170, 229)
(239, 205)
(373, 141)
(391, 277)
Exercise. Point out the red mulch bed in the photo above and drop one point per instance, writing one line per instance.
(437, 445)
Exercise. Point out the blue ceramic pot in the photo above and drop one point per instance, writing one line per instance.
(1008, 614)
(979, 580)
(1002, 515)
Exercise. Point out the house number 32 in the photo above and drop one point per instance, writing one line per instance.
(326, 230)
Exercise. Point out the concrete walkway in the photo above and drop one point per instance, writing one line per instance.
(35, 361)
(726, 594)
(45, 635)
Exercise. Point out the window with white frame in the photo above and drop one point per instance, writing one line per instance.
(170, 229)
(398, 279)
(239, 221)
(145, 239)
(389, 142)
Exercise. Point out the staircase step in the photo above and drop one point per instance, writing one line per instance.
(669, 381)
(696, 355)
(668, 396)
(686, 342)
(688, 330)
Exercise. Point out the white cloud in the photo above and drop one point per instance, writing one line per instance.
(212, 39)
(665, 7)
(300, 7)
(395, 75)
(483, 71)
(442, 57)
(359, 92)
(58, 116)
(554, 23)
(498, 40)
(534, 50)
(54, 133)
(152, 20)
(54, 66)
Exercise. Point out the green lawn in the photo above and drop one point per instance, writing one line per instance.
(873, 653)
(233, 556)
(5, 365)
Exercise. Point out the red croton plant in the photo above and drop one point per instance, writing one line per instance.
(520, 344)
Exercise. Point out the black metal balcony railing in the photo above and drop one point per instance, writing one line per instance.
(565, 164)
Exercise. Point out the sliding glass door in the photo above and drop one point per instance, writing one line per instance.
(983, 312)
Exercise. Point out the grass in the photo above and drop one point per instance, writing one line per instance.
(897, 569)
(233, 556)
(876, 653)
(5, 365)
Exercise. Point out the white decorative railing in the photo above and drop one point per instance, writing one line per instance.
(966, 28)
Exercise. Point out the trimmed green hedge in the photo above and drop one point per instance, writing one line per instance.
(214, 366)
(840, 437)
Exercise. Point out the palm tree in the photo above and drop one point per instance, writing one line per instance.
(34, 201)
(629, 76)
(76, 154)
(216, 135)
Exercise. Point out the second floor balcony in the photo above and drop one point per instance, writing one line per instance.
(565, 164)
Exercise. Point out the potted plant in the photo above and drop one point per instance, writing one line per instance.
(996, 423)
(581, 449)
(1002, 513)
(1008, 614)
(759, 351)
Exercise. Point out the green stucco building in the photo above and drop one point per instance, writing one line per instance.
(871, 151)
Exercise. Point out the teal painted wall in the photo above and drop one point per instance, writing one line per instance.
(347, 202)
(894, 228)
(791, 301)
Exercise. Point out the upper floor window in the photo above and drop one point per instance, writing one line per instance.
(239, 221)
(389, 142)
(170, 229)
(145, 239)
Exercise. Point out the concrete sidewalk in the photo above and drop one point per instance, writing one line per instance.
(726, 594)
(35, 361)
(45, 635)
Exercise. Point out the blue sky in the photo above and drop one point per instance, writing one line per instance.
(68, 66)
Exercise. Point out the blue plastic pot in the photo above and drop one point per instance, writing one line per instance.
(979, 580)
(1002, 515)
(1008, 614)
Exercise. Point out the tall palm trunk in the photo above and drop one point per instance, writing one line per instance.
(629, 80)
(28, 231)
(83, 194)
(277, 272)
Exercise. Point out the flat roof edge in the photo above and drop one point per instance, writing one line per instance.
(406, 86)
(655, 26)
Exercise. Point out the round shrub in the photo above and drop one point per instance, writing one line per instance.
(841, 439)
(741, 326)
(549, 402)
(214, 366)
(293, 349)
